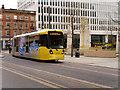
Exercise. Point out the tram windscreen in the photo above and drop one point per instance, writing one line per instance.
(56, 40)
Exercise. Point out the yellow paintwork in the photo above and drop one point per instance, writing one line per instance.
(44, 54)
(45, 31)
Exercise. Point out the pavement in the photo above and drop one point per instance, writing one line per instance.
(102, 62)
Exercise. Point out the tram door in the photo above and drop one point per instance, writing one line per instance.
(27, 44)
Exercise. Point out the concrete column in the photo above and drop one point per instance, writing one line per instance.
(69, 40)
(106, 38)
(81, 39)
(117, 44)
(84, 35)
(90, 40)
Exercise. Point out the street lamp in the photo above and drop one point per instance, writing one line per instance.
(42, 17)
(9, 29)
(49, 15)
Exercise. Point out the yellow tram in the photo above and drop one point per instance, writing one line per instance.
(42, 45)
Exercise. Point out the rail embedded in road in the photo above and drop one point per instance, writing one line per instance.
(94, 85)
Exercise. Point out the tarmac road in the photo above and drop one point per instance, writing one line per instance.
(23, 73)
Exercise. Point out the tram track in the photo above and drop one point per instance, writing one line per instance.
(87, 70)
(34, 78)
(92, 84)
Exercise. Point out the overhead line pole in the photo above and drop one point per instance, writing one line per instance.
(42, 17)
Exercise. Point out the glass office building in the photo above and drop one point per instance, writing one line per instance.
(100, 15)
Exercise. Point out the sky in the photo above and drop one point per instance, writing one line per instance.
(9, 4)
(13, 3)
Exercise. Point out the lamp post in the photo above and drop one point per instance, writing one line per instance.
(72, 21)
(42, 17)
(49, 17)
(1, 31)
(9, 30)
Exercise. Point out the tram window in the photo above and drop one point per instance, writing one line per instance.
(56, 41)
(17, 44)
(27, 47)
(34, 40)
(14, 42)
(43, 40)
(31, 40)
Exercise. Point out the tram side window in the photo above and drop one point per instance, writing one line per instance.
(36, 40)
(31, 40)
(43, 40)
(17, 44)
(27, 47)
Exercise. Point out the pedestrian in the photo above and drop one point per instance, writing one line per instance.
(10, 49)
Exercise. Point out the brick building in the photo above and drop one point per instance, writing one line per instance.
(15, 22)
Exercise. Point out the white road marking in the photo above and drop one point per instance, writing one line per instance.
(79, 80)
(87, 70)
(37, 79)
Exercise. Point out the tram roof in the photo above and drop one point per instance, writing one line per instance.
(36, 32)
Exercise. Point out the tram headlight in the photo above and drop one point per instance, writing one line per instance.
(51, 52)
(63, 52)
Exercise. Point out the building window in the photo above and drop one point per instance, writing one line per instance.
(21, 17)
(7, 33)
(44, 9)
(8, 24)
(26, 17)
(32, 26)
(39, 25)
(44, 18)
(44, 2)
(55, 2)
(56, 11)
(15, 16)
(51, 2)
(15, 33)
(41, 1)
(38, 9)
(26, 25)
(21, 25)
(0, 16)
(32, 18)
(7, 16)
(38, 17)
(38, 1)
(15, 24)
(47, 19)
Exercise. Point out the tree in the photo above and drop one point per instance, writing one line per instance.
(72, 13)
